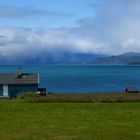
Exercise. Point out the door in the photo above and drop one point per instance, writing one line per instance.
(5, 90)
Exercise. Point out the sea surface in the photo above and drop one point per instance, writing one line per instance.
(83, 78)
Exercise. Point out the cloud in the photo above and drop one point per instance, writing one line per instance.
(132, 7)
(115, 23)
(62, 40)
(131, 44)
(2, 40)
(20, 44)
(114, 30)
(87, 22)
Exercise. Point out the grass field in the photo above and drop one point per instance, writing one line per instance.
(82, 98)
(69, 121)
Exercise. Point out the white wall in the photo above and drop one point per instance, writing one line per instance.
(5, 90)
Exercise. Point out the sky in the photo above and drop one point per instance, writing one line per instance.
(33, 28)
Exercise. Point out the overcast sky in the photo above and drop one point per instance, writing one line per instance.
(32, 27)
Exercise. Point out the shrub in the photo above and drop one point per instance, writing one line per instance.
(27, 95)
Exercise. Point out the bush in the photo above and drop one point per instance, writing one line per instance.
(27, 95)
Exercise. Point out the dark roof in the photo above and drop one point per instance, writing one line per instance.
(22, 78)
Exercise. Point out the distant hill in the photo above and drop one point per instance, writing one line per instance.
(71, 58)
(48, 58)
(74, 58)
(125, 58)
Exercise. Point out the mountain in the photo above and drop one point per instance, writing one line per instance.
(66, 58)
(70, 58)
(48, 58)
(125, 58)
(76, 57)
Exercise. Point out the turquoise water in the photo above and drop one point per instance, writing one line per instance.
(83, 78)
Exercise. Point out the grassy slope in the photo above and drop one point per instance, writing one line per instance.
(69, 121)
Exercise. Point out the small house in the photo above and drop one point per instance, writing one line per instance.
(12, 84)
(131, 90)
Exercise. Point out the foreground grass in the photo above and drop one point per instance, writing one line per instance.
(69, 121)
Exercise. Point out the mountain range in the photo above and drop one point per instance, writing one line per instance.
(125, 58)
(48, 58)
(71, 58)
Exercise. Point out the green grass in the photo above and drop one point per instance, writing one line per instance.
(69, 121)
(79, 98)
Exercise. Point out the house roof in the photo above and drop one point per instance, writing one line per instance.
(19, 78)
